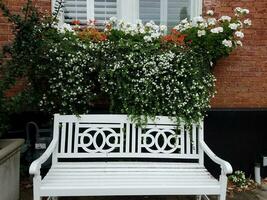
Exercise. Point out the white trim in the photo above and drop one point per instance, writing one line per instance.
(53, 2)
(128, 10)
(164, 12)
(119, 9)
(195, 8)
(90, 9)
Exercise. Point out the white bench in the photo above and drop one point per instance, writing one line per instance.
(108, 155)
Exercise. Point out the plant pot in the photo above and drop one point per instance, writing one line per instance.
(10, 168)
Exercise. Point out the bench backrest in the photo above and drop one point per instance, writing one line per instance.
(115, 136)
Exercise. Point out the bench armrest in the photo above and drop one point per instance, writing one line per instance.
(36, 165)
(225, 166)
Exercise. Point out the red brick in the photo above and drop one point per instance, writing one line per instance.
(241, 77)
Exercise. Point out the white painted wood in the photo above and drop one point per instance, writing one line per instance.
(198, 197)
(196, 8)
(63, 133)
(70, 133)
(188, 142)
(193, 139)
(223, 182)
(225, 166)
(115, 136)
(182, 139)
(36, 189)
(127, 140)
(201, 138)
(128, 10)
(133, 138)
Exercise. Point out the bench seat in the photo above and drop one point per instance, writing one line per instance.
(106, 178)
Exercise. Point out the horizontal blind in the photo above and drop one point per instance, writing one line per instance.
(177, 11)
(75, 10)
(103, 10)
(149, 10)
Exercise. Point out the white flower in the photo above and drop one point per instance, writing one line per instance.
(139, 22)
(233, 26)
(239, 34)
(242, 11)
(201, 33)
(184, 24)
(184, 21)
(147, 38)
(155, 35)
(238, 10)
(142, 30)
(225, 18)
(247, 22)
(245, 11)
(210, 12)
(113, 19)
(121, 23)
(64, 27)
(156, 27)
(163, 28)
(239, 43)
(211, 63)
(150, 24)
(203, 25)
(211, 21)
(227, 43)
(197, 20)
(217, 30)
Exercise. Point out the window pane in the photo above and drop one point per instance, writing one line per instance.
(149, 10)
(75, 10)
(168, 12)
(177, 11)
(104, 9)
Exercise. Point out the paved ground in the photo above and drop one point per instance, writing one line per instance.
(257, 194)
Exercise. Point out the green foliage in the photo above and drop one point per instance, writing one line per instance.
(239, 182)
(145, 79)
(238, 178)
(141, 71)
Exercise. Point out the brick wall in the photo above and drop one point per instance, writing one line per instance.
(6, 30)
(241, 78)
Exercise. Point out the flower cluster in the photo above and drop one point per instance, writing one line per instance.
(145, 80)
(238, 182)
(139, 68)
(217, 36)
(150, 31)
(174, 37)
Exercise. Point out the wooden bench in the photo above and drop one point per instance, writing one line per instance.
(108, 155)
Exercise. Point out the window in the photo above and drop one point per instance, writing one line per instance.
(75, 10)
(167, 12)
(84, 10)
(104, 9)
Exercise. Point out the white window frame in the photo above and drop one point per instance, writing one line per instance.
(128, 10)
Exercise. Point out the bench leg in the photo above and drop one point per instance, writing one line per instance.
(36, 183)
(198, 197)
(222, 197)
(223, 181)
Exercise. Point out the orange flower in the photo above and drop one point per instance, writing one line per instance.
(92, 34)
(175, 37)
(76, 22)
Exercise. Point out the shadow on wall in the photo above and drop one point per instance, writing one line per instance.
(239, 137)
(184, 13)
